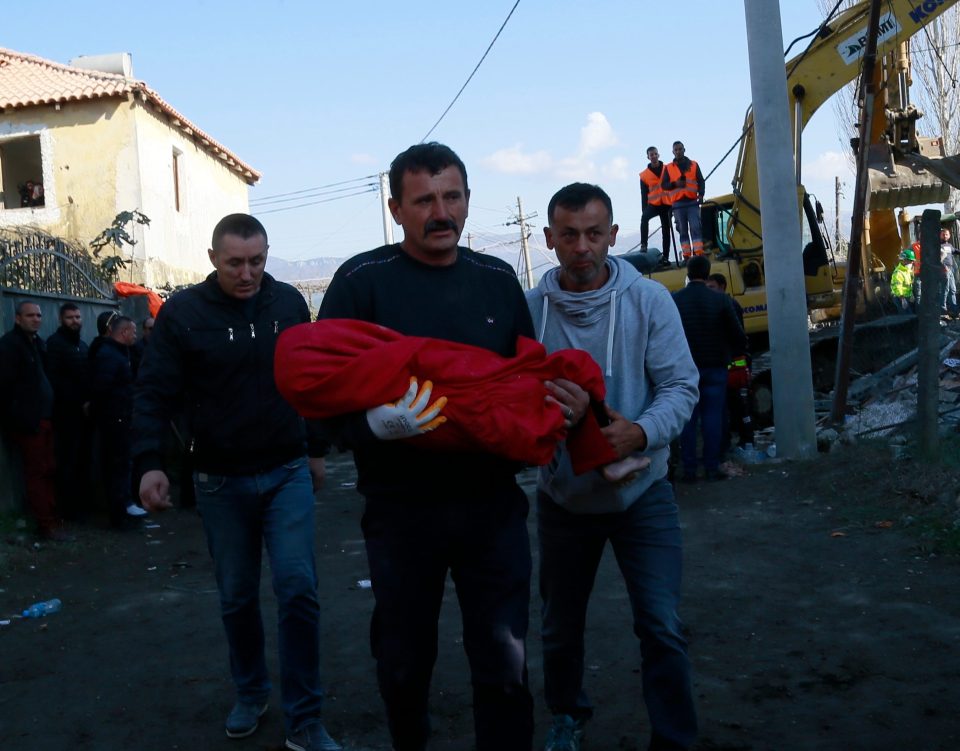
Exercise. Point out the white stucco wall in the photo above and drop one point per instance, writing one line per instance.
(174, 247)
(110, 155)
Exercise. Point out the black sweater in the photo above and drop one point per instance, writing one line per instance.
(476, 301)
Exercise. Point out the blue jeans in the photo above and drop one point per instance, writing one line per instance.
(647, 543)
(948, 300)
(240, 514)
(687, 218)
(480, 536)
(708, 411)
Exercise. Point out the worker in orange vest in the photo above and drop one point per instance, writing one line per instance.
(653, 203)
(683, 186)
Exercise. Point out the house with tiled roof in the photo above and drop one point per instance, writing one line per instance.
(80, 143)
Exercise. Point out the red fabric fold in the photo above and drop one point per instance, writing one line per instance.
(495, 404)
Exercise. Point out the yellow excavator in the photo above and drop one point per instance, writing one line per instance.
(904, 168)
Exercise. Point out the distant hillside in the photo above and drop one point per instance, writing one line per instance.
(508, 250)
(296, 271)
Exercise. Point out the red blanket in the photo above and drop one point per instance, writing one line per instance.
(494, 404)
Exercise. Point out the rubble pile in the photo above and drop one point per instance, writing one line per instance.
(888, 400)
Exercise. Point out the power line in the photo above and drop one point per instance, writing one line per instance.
(472, 74)
(310, 190)
(334, 191)
(313, 203)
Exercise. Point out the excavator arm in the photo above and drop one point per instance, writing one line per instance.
(830, 62)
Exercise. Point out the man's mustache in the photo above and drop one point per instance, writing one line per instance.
(440, 225)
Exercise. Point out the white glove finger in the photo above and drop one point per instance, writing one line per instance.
(423, 398)
(432, 411)
(411, 394)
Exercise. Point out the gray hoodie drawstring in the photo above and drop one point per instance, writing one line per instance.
(543, 323)
(611, 327)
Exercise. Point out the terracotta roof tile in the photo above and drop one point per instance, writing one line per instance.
(31, 81)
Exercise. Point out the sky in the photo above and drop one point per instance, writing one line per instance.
(315, 94)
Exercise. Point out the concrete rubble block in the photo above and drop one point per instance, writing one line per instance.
(827, 439)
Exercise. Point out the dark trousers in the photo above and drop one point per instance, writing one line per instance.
(39, 472)
(481, 538)
(72, 438)
(708, 412)
(664, 213)
(647, 543)
(115, 465)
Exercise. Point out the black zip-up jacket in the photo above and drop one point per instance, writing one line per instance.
(212, 356)
(112, 382)
(68, 366)
(26, 396)
(710, 323)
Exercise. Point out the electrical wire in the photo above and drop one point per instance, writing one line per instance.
(470, 77)
(320, 194)
(312, 203)
(261, 199)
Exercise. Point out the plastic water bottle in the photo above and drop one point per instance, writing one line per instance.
(40, 609)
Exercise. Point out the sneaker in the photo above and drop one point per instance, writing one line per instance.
(565, 734)
(135, 510)
(244, 718)
(312, 737)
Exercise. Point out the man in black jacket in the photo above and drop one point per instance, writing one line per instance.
(26, 408)
(69, 369)
(428, 513)
(211, 354)
(112, 396)
(715, 337)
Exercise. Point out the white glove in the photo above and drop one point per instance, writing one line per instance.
(408, 417)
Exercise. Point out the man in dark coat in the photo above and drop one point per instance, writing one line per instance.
(715, 337)
(69, 370)
(112, 390)
(26, 408)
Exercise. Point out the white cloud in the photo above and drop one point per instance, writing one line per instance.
(617, 168)
(513, 161)
(363, 159)
(828, 165)
(597, 134)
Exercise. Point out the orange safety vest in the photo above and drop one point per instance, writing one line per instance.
(655, 195)
(689, 191)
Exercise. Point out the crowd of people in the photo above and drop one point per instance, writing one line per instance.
(209, 362)
(67, 407)
(905, 288)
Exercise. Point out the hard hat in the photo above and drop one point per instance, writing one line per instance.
(908, 255)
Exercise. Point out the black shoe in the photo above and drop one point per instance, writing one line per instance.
(688, 477)
(312, 737)
(714, 475)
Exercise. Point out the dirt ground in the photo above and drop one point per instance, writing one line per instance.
(820, 599)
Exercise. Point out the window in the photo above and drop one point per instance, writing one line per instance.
(21, 173)
(176, 179)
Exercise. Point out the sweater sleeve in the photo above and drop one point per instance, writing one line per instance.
(670, 368)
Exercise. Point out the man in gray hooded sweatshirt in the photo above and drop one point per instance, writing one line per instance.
(631, 327)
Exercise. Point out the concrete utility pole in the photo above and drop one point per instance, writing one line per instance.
(527, 280)
(793, 410)
(928, 363)
(387, 216)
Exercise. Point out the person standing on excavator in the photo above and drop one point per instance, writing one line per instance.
(683, 187)
(654, 203)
